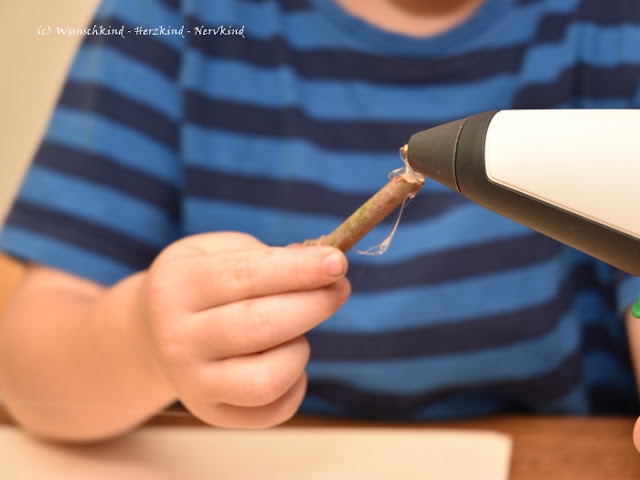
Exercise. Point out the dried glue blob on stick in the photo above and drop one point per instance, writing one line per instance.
(404, 184)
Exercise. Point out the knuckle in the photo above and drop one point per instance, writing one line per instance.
(157, 284)
(244, 270)
(170, 346)
(299, 267)
(162, 281)
(260, 324)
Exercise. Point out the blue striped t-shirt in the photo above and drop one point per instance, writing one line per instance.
(279, 118)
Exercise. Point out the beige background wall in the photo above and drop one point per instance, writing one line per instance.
(31, 72)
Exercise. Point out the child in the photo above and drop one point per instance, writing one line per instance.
(277, 119)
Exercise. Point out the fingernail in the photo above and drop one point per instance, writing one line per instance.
(335, 264)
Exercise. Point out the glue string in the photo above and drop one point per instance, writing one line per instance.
(408, 173)
(382, 247)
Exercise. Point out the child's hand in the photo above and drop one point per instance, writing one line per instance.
(227, 314)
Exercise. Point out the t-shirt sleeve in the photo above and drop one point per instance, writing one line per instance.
(102, 196)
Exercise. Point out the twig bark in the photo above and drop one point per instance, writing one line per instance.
(371, 213)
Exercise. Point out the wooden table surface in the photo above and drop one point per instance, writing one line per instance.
(544, 447)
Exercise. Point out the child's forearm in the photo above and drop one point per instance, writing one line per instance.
(75, 360)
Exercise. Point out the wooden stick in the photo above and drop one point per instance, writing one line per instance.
(371, 213)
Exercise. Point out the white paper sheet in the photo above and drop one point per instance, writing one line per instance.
(300, 453)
